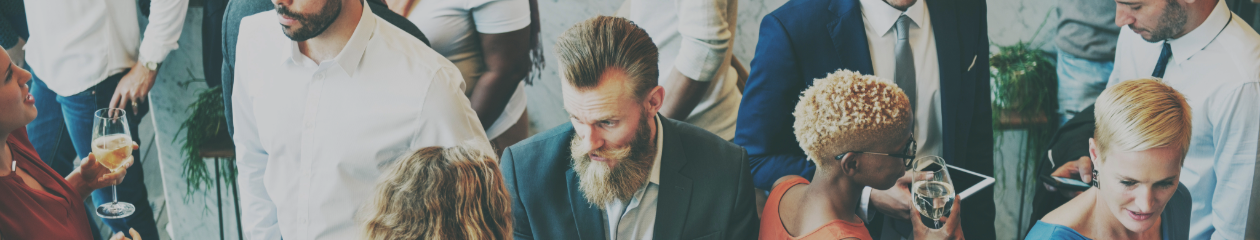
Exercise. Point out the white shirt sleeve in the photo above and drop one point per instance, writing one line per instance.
(501, 16)
(1236, 133)
(448, 117)
(166, 21)
(706, 37)
(258, 213)
(864, 208)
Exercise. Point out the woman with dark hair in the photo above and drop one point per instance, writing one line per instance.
(494, 43)
(440, 193)
(37, 202)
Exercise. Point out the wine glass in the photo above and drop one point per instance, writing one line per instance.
(112, 146)
(932, 189)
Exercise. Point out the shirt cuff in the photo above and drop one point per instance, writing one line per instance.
(864, 207)
(699, 60)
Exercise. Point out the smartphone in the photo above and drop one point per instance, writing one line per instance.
(1065, 183)
(974, 182)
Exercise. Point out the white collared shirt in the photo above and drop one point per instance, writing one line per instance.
(695, 37)
(76, 44)
(880, 20)
(311, 139)
(636, 219)
(1216, 67)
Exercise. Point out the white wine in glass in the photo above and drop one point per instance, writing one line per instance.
(112, 146)
(931, 187)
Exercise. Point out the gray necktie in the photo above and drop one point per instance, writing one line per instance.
(904, 75)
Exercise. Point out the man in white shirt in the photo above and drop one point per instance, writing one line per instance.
(1212, 57)
(322, 101)
(695, 58)
(89, 55)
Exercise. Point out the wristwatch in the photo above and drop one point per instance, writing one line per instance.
(152, 66)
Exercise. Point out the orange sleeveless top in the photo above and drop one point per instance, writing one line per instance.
(772, 226)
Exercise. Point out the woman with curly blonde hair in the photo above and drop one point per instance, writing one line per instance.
(440, 193)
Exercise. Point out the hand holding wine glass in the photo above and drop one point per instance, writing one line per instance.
(112, 147)
(932, 189)
(97, 176)
(952, 230)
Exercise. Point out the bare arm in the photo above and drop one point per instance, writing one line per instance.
(682, 94)
(507, 63)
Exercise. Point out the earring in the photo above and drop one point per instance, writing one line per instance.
(1094, 181)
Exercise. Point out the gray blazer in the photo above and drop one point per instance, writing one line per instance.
(706, 188)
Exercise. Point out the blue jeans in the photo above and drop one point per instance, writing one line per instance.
(1080, 82)
(62, 132)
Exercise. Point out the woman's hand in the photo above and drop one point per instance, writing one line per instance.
(952, 230)
(91, 175)
(119, 235)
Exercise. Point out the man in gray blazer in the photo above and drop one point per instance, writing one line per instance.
(619, 170)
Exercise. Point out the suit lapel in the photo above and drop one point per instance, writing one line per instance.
(956, 92)
(589, 222)
(848, 36)
(675, 189)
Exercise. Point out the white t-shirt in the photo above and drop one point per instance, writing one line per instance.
(453, 28)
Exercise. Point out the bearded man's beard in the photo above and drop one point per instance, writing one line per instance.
(601, 184)
(1170, 24)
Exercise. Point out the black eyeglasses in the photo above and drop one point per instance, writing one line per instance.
(906, 157)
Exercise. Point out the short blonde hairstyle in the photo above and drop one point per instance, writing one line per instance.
(847, 111)
(440, 193)
(1141, 114)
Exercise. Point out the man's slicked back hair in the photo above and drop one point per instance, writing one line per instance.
(592, 47)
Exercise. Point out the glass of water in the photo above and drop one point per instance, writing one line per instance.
(932, 189)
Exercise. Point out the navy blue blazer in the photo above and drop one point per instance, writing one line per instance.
(705, 188)
(807, 39)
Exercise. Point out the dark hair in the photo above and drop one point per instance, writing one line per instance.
(590, 48)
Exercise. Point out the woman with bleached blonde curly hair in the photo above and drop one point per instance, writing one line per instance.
(440, 193)
(857, 129)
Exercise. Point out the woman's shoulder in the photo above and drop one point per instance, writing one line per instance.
(1050, 231)
(1074, 212)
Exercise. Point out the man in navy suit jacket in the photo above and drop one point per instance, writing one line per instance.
(806, 39)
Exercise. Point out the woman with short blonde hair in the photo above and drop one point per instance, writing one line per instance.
(1142, 135)
(440, 193)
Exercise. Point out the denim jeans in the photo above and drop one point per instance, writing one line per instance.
(1080, 82)
(62, 132)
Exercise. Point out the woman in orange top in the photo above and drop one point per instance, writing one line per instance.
(857, 129)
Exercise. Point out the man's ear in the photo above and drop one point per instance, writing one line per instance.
(655, 99)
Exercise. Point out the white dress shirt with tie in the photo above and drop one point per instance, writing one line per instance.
(76, 44)
(312, 138)
(1217, 68)
(880, 20)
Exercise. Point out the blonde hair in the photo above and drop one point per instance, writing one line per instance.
(847, 111)
(600, 44)
(1141, 114)
(440, 193)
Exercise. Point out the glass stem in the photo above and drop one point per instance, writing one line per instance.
(115, 188)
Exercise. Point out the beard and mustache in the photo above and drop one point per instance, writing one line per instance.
(1170, 23)
(310, 24)
(601, 184)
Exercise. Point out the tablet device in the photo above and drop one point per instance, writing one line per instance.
(1065, 183)
(972, 181)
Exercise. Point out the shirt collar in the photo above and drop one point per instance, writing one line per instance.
(349, 57)
(655, 176)
(1198, 39)
(882, 17)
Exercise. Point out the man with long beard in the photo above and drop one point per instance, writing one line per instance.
(326, 94)
(619, 170)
